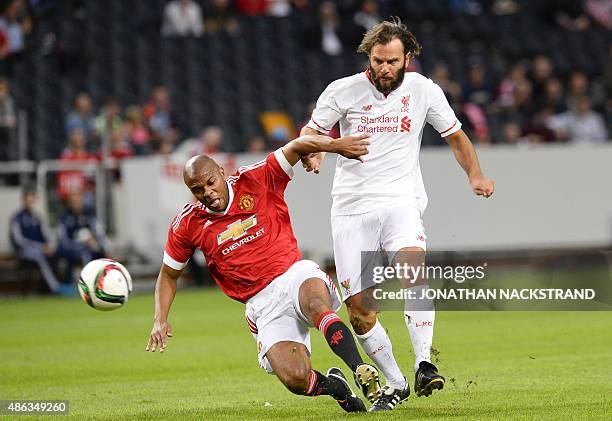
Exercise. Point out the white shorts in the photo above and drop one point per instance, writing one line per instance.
(274, 315)
(387, 229)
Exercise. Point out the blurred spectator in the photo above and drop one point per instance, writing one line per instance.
(582, 125)
(451, 89)
(578, 87)
(252, 7)
(567, 14)
(511, 134)
(108, 119)
(158, 115)
(279, 137)
(478, 121)
(4, 49)
(477, 96)
(70, 181)
(536, 128)
(504, 7)
(601, 12)
(301, 6)
(81, 117)
(541, 71)
(367, 16)
(256, 145)
(210, 142)
(182, 18)
(8, 120)
(120, 147)
(325, 32)
(220, 18)
(477, 89)
(29, 240)
(136, 131)
(164, 148)
(15, 25)
(515, 89)
(279, 8)
(80, 237)
(469, 7)
(553, 96)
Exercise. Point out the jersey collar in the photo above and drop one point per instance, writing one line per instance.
(230, 200)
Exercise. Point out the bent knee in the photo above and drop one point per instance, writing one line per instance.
(296, 379)
(362, 320)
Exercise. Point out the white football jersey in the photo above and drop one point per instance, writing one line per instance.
(394, 123)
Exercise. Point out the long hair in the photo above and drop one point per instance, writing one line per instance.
(384, 32)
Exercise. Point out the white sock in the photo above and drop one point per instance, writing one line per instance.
(377, 346)
(419, 316)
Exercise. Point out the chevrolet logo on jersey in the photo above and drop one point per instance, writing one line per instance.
(237, 229)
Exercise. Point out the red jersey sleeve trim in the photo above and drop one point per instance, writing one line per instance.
(450, 129)
(318, 126)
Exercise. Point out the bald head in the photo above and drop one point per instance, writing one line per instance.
(206, 180)
(198, 165)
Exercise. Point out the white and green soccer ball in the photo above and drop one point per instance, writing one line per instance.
(105, 284)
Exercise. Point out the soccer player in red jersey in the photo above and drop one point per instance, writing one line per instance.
(241, 223)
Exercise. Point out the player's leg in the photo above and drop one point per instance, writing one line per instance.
(36, 255)
(316, 306)
(353, 234)
(291, 364)
(403, 237)
(68, 260)
(419, 315)
(374, 340)
(283, 339)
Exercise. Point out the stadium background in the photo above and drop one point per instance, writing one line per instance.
(530, 81)
(513, 71)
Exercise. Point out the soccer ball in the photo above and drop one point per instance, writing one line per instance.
(105, 284)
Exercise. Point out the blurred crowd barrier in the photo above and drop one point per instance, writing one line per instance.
(546, 197)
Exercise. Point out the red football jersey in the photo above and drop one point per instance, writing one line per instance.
(252, 241)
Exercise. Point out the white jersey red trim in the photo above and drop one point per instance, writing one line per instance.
(394, 124)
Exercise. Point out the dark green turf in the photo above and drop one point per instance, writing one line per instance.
(498, 365)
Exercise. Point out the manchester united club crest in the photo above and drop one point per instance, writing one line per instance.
(405, 103)
(246, 202)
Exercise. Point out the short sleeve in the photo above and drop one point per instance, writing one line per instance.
(178, 249)
(327, 112)
(440, 114)
(278, 171)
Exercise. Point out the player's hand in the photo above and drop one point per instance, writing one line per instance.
(159, 334)
(353, 147)
(312, 162)
(482, 186)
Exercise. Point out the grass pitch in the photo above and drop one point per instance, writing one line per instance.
(498, 365)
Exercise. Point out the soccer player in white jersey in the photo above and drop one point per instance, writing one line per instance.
(378, 204)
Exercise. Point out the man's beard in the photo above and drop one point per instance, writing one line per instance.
(391, 86)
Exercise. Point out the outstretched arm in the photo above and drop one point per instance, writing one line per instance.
(353, 147)
(311, 162)
(165, 289)
(466, 156)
